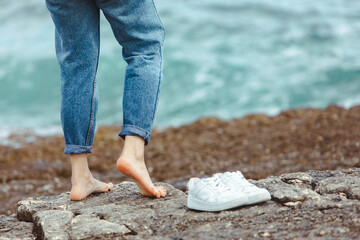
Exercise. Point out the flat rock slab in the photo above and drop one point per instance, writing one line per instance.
(309, 205)
(12, 228)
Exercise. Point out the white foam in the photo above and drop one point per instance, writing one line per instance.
(292, 52)
(343, 30)
(350, 102)
(31, 133)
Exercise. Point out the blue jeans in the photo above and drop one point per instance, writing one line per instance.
(138, 29)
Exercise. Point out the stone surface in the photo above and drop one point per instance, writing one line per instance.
(84, 227)
(309, 205)
(53, 224)
(12, 228)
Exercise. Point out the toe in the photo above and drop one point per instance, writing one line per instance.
(110, 185)
(163, 189)
(163, 192)
(157, 193)
(99, 186)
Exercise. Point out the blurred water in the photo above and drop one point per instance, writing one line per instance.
(222, 58)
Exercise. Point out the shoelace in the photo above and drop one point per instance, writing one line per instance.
(238, 177)
(215, 184)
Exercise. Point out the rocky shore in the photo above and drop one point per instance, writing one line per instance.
(258, 145)
(308, 205)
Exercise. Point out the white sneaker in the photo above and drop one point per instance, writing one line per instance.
(210, 194)
(237, 182)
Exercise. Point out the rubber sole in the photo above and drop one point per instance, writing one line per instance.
(259, 197)
(200, 205)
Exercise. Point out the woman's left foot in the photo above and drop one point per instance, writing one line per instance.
(136, 169)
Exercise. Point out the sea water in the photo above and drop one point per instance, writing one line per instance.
(223, 58)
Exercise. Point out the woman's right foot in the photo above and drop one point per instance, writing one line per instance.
(136, 169)
(81, 188)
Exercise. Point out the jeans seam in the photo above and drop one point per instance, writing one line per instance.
(158, 88)
(93, 96)
(158, 16)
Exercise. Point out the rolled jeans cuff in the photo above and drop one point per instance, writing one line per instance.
(76, 149)
(134, 131)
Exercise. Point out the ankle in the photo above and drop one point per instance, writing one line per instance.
(80, 168)
(132, 156)
(134, 148)
(79, 178)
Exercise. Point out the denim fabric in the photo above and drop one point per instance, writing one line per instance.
(138, 29)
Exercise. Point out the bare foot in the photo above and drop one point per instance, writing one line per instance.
(136, 169)
(84, 187)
